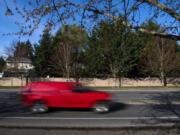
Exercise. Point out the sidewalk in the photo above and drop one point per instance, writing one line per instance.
(84, 123)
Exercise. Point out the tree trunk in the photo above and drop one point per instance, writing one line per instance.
(27, 80)
(67, 75)
(77, 77)
(120, 81)
(163, 79)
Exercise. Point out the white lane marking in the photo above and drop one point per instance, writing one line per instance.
(144, 102)
(145, 90)
(93, 118)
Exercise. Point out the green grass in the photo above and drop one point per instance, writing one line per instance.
(10, 87)
(111, 88)
(137, 87)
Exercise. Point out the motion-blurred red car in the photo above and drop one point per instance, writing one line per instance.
(40, 96)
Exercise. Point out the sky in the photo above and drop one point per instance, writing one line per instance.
(7, 25)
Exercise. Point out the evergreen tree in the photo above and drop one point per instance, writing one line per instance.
(30, 53)
(20, 50)
(114, 50)
(42, 55)
(2, 64)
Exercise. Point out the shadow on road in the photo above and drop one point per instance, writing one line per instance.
(115, 106)
(10, 107)
(165, 109)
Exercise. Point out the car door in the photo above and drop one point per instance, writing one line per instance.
(54, 97)
(80, 99)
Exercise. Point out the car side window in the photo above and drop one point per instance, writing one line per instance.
(81, 89)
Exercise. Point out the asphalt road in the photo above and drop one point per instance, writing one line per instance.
(130, 108)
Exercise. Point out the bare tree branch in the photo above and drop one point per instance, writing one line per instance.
(160, 34)
(163, 8)
(65, 9)
(155, 33)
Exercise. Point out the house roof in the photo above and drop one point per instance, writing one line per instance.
(20, 60)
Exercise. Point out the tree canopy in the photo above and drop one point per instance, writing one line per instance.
(68, 45)
(132, 13)
(42, 55)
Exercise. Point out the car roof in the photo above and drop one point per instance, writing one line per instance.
(52, 85)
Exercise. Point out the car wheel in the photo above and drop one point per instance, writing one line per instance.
(39, 107)
(102, 107)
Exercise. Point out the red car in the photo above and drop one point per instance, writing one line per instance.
(40, 96)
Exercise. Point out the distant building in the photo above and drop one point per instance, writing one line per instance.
(19, 63)
(1, 75)
(17, 66)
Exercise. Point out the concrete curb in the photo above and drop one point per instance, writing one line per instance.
(109, 127)
(147, 102)
(143, 90)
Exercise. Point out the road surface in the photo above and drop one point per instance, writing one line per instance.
(136, 112)
(130, 108)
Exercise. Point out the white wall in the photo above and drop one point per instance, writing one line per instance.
(126, 82)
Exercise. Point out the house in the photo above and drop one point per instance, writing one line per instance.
(19, 63)
(1, 75)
